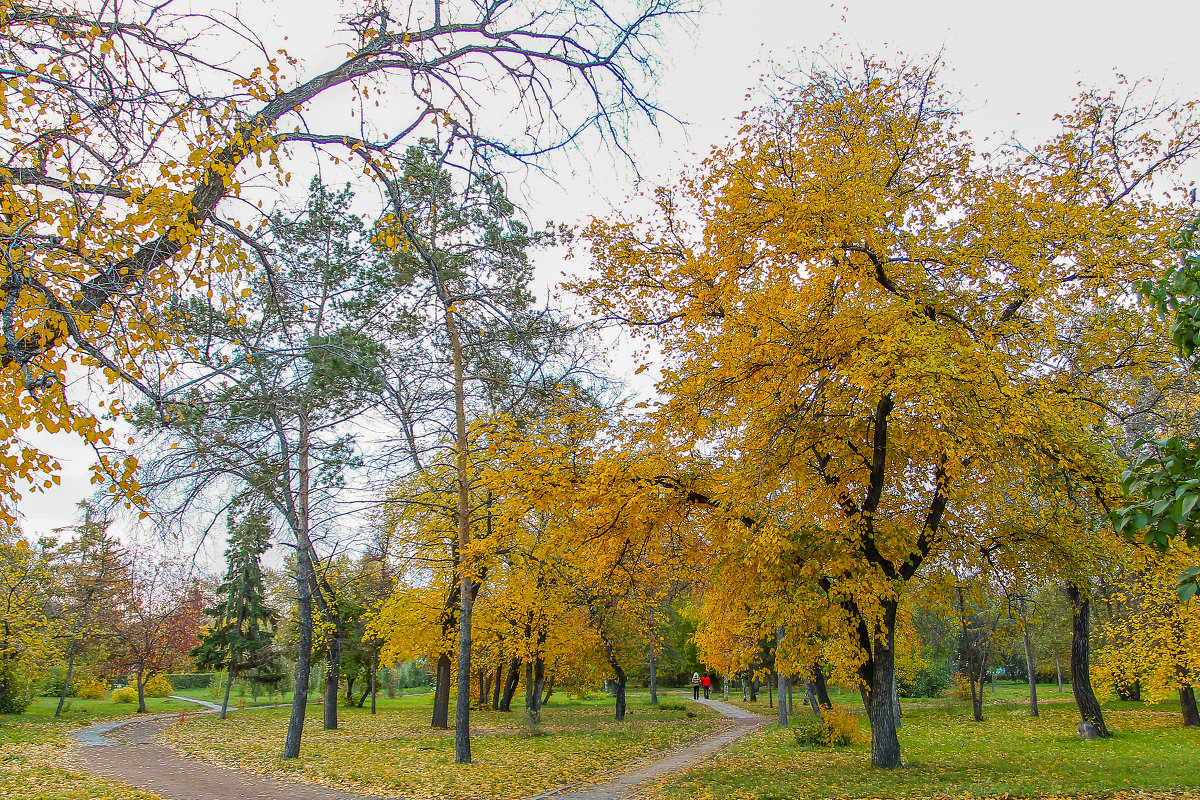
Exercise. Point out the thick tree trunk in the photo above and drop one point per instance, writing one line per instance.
(820, 687)
(1187, 704)
(141, 687)
(62, 698)
(1081, 680)
(754, 689)
(510, 684)
(441, 693)
(620, 690)
(333, 667)
(878, 673)
(1033, 708)
(536, 678)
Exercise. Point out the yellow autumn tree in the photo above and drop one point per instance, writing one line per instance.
(865, 322)
(1152, 638)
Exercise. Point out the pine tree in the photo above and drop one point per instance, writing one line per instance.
(243, 628)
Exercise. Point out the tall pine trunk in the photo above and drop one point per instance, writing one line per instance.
(1081, 679)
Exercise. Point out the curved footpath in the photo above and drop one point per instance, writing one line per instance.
(133, 752)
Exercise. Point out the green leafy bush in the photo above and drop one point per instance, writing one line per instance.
(191, 680)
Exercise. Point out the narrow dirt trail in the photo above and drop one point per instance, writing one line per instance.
(134, 753)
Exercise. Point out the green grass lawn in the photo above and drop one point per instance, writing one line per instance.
(396, 751)
(947, 754)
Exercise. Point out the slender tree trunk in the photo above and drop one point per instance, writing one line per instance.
(1081, 680)
(1033, 708)
(141, 687)
(820, 687)
(496, 687)
(485, 686)
(725, 686)
(810, 696)
(549, 688)
(228, 686)
(441, 695)
(783, 700)
(350, 690)
(291, 747)
(305, 579)
(466, 594)
(653, 675)
(62, 698)
(1187, 704)
(770, 691)
(374, 676)
(510, 684)
(1058, 669)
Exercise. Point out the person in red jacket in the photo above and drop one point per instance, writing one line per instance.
(706, 682)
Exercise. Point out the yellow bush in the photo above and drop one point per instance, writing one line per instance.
(126, 694)
(836, 728)
(159, 686)
(92, 690)
(960, 688)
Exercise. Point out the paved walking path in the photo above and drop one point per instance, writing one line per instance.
(133, 752)
(627, 782)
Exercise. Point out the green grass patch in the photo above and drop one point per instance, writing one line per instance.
(396, 751)
(947, 754)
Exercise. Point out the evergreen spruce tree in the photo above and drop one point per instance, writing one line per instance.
(243, 628)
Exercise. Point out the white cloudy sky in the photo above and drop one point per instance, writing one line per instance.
(1015, 64)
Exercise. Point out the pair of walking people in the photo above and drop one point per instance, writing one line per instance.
(699, 683)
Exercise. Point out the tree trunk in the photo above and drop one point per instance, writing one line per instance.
(770, 691)
(441, 693)
(374, 676)
(496, 687)
(653, 675)
(549, 689)
(62, 698)
(1187, 704)
(141, 687)
(1058, 669)
(333, 666)
(896, 699)
(878, 673)
(485, 686)
(783, 699)
(725, 686)
(466, 579)
(1081, 680)
(305, 579)
(620, 690)
(228, 686)
(810, 696)
(510, 684)
(291, 746)
(350, 691)
(1033, 709)
(820, 687)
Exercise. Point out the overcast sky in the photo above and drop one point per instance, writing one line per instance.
(1015, 65)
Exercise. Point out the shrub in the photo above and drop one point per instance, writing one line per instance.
(930, 681)
(837, 727)
(960, 688)
(190, 680)
(158, 686)
(125, 694)
(672, 707)
(92, 690)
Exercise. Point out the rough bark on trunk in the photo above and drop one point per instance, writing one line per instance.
(1081, 680)
(620, 690)
(810, 696)
(725, 686)
(291, 746)
(333, 665)
(496, 687)
(441, 693)
(228, 686)
(510, 684)
(1187, 704)
(878, 673)
(141, 687)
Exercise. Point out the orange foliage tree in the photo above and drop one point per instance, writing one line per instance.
(869, 327)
